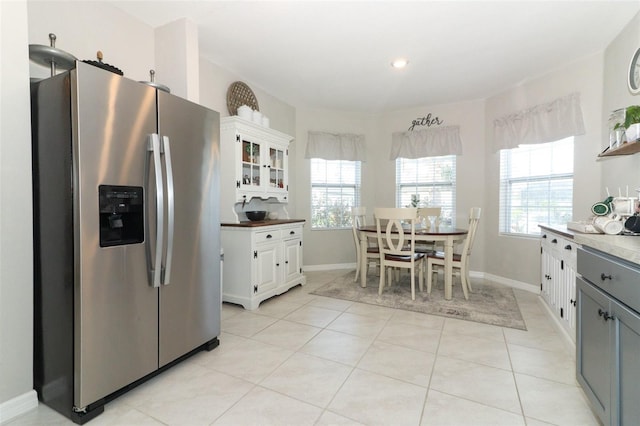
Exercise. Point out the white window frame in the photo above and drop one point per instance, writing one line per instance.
(532, 210)
(347, 188)
(408, 177)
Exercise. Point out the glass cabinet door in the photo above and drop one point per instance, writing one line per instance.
(250, 164)
(277, 168)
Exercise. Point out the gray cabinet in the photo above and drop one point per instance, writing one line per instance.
(594, 343)
(608, 336)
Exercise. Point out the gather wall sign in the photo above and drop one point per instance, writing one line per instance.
(428, 121)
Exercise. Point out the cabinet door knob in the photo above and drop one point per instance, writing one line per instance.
(567, 247)
(544, 236)
(269, 236)
(604, 277)
(605, 315)
(554, 241)
(292, 232)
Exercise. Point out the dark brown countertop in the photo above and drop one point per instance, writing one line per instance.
(266, 222)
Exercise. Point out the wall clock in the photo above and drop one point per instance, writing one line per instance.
(633, 79)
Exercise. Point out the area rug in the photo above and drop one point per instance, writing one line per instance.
(489, 303)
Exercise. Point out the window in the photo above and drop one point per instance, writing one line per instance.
(335, 188)
(432, 180)
(536, 186)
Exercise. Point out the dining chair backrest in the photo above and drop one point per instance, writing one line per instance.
(394, 238)
(474, 218)
(358, 219)
(429, 211)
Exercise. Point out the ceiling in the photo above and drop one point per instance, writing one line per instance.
(336, 54)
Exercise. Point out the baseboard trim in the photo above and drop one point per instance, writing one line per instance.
(329, 267)
(506, 281)
(568, 341)
(17, 406)
(474, 274)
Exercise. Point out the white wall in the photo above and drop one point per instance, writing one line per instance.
(623, 170)
(518, 258)
(83, 28)
(378, 172)
(16, 256)
(329, 247)
(214, 82)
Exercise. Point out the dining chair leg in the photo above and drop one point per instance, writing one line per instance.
(463, 283)
(357, 270)
(429, 276)
(382, 283)
(421, 276)
(413, 285)
(466, 273)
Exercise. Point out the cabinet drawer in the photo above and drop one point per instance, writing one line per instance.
(268, 236)
(292, 232)
(620, 280)
(568, 252)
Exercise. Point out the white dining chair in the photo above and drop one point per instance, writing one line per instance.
(397, 245)
(460, 261)
(425, 214)
(359, 219)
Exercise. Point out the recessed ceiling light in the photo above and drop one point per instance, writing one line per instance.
(399, 63)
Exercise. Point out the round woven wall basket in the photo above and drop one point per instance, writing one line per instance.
(240, 94)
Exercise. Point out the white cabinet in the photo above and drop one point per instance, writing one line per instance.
(254, 162)
(558, 277)
(261, 261)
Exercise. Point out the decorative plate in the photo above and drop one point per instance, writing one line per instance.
(240, 94)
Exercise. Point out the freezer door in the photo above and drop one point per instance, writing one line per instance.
(190, 293)
(116, 310)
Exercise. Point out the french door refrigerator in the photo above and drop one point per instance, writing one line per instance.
(126, 235)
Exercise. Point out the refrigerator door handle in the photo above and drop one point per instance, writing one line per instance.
(166, 276)
(155, 265)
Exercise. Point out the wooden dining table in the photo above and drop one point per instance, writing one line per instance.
(442, 233)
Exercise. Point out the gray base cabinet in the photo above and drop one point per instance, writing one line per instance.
(608, 336)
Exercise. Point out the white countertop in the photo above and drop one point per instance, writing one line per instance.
(623, 246)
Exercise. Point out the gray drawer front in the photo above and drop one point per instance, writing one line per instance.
(620, 280)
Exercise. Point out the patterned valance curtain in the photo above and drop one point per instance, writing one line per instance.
(434, 142)
(543, 123)
(336, 146)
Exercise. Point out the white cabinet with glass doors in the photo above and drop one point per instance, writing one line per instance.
(254, 161)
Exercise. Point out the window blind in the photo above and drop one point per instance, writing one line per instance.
(432, 180)
(536, 186)
(335, 188)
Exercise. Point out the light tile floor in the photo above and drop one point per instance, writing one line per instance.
(302, 359)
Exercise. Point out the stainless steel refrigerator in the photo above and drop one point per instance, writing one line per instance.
(126, 235)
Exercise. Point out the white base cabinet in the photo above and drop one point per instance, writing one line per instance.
(261, 262)
(558, 277)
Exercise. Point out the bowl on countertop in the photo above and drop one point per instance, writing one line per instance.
(256, 215)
